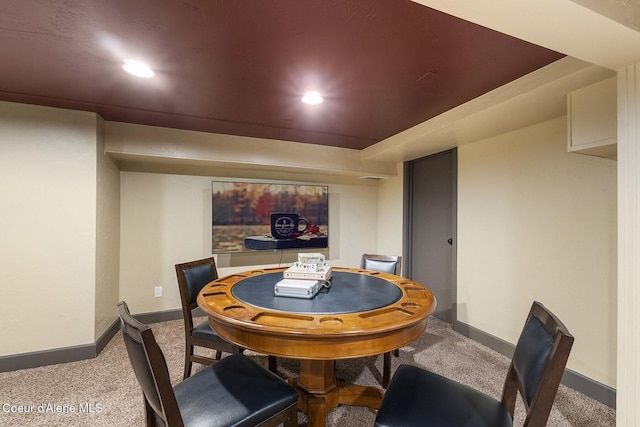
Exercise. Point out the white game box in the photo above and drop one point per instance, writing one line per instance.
(318, 272)
(297, 288)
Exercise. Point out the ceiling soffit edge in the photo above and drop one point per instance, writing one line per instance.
(536, 97)
(565, 26)
(141, 144)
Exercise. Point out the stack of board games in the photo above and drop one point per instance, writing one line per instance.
(304, 278)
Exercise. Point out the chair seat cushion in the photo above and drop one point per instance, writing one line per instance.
(416, 397)
(236, 391)
(204, 331)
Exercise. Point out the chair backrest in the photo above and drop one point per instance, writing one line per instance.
(537, 365)
(383, 263)
(150, 368)
(192, 277)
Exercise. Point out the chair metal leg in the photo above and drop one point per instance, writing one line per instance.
(292, 421)
(149, 415)
(386, 369)
(187, 361)
(272, 364)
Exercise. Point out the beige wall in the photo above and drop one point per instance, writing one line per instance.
(537, 223)
(48, 228)
(165, 219)
(107, 237)
(534, 223)
(390, 214)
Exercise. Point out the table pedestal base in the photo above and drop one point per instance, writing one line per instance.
(319, 393)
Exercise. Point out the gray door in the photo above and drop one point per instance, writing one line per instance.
(430, 197)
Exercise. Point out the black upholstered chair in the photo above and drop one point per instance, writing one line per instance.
(233, 392)
(192, 277)
(416, 397)
(384, 264)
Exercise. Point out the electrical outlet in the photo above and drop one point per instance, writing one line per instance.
(158, 291)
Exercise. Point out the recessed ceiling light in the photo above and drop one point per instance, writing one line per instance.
(137, 68)
(312, 98)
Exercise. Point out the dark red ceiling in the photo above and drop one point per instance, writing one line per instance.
(240, 67)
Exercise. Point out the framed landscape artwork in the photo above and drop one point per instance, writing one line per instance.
(263, 215)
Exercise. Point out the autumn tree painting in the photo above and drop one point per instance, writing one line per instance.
(241, 209)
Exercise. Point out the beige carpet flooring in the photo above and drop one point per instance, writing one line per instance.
(103, 391)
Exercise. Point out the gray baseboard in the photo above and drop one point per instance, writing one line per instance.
(79, 352)
(574, 380)
(160, 316)
(107, 336)
(595, 390)
(58, 355)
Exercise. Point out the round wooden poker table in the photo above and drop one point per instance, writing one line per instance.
(362, 313)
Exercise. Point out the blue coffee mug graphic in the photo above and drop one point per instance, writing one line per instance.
(285, 224)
